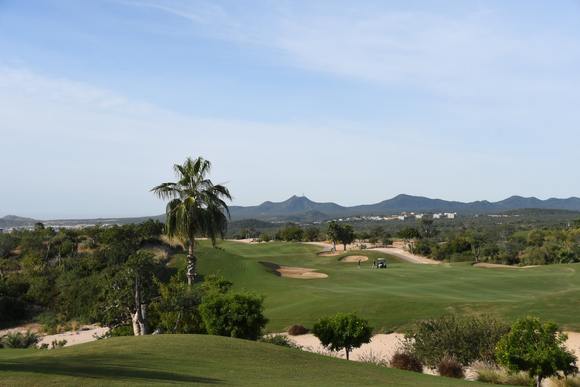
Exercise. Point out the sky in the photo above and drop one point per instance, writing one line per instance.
(350, 102)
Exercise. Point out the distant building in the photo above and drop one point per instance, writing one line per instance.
(419, 216)
(450, 215)
(437, 216)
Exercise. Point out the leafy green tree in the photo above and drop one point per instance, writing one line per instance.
(196, 207)
(427, 228)
(537, 348)
(333, 232)
(346, 235)
(343, 331)
(311, 233)
(230, 314)
(129, 293)
(408, 234)
(177, 308)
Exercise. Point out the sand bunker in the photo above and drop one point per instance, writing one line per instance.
(354, 258)
(500, 266)
(293, 272)
(299, 272)
(329, 253)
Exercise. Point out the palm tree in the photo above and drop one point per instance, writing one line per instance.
(196, 207)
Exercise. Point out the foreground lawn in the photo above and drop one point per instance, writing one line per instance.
(392, 298)
(195, 360)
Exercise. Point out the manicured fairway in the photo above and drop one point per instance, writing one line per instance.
(394, 297)
(195, 360)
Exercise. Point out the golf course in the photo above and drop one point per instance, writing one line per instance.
(393, 298)
(193, 360)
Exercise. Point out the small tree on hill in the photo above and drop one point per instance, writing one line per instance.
(537, 348)
(343, 331)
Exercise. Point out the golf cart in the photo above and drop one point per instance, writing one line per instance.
(381, 263)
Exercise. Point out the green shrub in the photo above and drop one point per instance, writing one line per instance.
(122, 330)
(466, 339)
(58, 344)
(176, 309)
(450, 367)
(20, 340)
(494, 375)
(297, 330)
(280, 340)
(238, 315)
(406, 361)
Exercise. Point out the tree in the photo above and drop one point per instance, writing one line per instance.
(537, 348)
(345, 235)
(408, 234)
(177, 307)
(129, 293)
(343, 331)
(427, 227)
(333, 232)
(196, 207)
(311, 233)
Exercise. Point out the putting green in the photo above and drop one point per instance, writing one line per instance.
(391, 298)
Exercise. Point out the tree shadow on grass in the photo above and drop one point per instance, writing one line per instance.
(94, 368)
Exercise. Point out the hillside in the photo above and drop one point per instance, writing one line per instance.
(195, 360)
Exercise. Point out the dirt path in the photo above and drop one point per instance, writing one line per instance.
(395, 251)
(406, 256)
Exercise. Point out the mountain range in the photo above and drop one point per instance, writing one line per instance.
(302, 209)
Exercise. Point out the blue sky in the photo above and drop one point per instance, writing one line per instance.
(352, 102)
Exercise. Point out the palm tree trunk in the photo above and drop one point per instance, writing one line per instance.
(191, 263)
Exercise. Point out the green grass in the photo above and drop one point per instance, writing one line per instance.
(195, 360)
(393, 298)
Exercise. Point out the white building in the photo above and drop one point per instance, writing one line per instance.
(450, 215)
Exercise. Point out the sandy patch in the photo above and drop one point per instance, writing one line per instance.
(382, 346)
(354, 258)
(84, 335)
(300, 272)
(500, 266)
(407, 256)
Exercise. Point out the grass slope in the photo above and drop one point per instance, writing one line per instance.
(195, 360)
(395, 297)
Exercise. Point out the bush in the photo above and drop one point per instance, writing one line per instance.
(280, 340)
(58, 344)
(20, 340)
(371, 357)
(450, 367)
(123, 330)
(297, 330)
(492, 374)
(238, 315)
(406, 361)
(466, 339)
(176, 308)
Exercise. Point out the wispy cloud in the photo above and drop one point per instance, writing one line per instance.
(474, 53)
